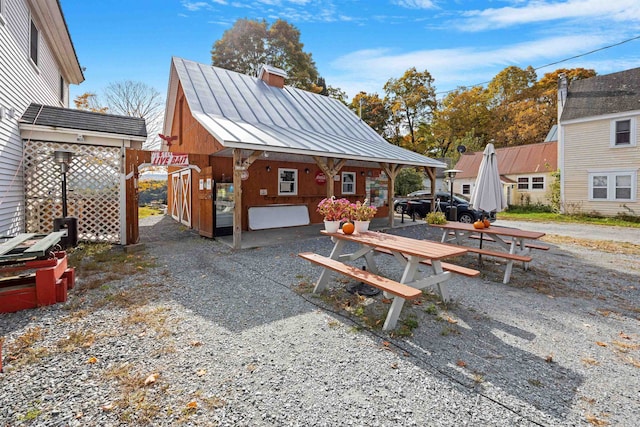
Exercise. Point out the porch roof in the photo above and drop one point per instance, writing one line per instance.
(242, 111)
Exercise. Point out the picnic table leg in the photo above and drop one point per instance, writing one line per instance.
(442, 287)
(394, 314)
(507, 271)
(324, 276)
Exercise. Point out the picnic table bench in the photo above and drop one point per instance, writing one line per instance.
(514, 242)
(410, 253)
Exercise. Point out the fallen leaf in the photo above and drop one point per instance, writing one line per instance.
(151, 379)
(394, 366)
(624, 336)
(386, 343)
(595, 420)
(79, 415)
(417, 302)
(386, 301)
(461, 363)
(107, 407)
(196, 343)
(601, 344)
(549, 358)
(201, 372)
(92, 360)
(192, 405)
(451, 320)
(590, 361)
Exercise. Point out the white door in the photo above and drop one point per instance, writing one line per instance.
(176, 199)
(185, 187)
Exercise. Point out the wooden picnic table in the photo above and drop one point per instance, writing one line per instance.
(410, 253)
(515, 244)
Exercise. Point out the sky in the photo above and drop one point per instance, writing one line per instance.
(358, 45)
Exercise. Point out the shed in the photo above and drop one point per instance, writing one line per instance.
(282, 149)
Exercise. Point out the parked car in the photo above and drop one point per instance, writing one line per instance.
(413, 195)
(421, 207)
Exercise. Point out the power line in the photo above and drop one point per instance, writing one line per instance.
(557, 62)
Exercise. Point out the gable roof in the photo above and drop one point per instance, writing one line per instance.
(241, 111)
(79, 120)
(600, 95)
(541, 157)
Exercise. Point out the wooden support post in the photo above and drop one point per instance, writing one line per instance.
(431, 173)
(330, 169)
(237, 198)
(392, 172)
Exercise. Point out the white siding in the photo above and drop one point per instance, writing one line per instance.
(586, 149)
(20, 85)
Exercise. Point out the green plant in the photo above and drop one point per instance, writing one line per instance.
(436, 218)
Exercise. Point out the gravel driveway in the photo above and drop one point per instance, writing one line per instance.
(210, 336)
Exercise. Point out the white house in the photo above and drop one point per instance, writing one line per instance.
(598, 151)
(37, 64)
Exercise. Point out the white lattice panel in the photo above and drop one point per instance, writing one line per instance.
(92, 189)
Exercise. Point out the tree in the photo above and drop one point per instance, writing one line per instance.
(372, 110)
(88, 101)
(409, 179)
(411, 99)
(137, 99)
(249, 44)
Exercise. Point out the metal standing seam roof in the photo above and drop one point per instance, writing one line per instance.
(241, 111)
(600, 95)
(80, 120)
(531, 158)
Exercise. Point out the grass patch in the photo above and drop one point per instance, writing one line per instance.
(620, 221)
(76, 340)
(145, 211)
(598, 245)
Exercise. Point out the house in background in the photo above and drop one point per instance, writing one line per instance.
(526, 171)
(598, 151)
(37, 63)
(275, 150)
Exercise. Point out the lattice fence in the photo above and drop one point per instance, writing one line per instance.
(93, 194)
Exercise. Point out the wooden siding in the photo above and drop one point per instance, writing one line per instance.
(587, 148)
(21, 84)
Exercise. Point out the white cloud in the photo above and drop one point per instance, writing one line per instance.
(542, 11)
(415, 4)
(370, 69)
(194, 6)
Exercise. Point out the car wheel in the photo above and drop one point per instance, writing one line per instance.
(399, 209)
(467, 218)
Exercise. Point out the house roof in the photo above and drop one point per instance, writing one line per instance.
(79, 120)
(522, 159)
(50, 19)
(600, 95)
(241, 111)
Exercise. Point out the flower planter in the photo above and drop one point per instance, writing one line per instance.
(361, 226)
(331, 226)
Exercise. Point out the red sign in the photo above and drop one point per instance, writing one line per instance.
(165, 158)
(321, 179)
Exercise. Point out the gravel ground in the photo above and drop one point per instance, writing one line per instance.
(210, 336)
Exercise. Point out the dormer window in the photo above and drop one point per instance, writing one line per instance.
(623, 132)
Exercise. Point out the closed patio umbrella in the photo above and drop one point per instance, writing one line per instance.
(487, 194)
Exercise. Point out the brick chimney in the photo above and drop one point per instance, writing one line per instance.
(272, 76)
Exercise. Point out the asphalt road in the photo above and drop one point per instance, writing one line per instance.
(580, 231)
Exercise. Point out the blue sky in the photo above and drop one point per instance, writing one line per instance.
(360, 44)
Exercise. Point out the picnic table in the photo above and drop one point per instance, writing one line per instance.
(513, 244)
(410, 253)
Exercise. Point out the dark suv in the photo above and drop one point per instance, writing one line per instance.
(421, 207)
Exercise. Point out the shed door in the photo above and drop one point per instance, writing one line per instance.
(176, 196)
(205, 197)
(185, 188)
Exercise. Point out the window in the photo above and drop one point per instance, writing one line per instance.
(537, 183)
(348, 183)
(61, 88)
(523, 183)
(466, 188)
(34, 43)
(623, 132)
(612, 186)
(287, 182)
